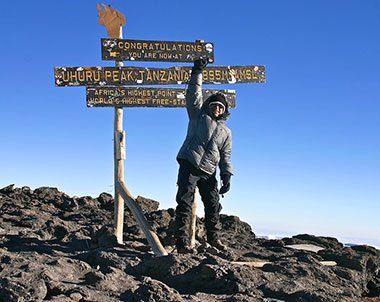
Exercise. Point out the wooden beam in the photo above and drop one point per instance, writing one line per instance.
(256, 264)
(260, 264)
(150, 235)
(328, 263)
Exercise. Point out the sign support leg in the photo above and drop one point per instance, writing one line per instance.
(193, 222)
(150, 235)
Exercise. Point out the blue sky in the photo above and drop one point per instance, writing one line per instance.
(306, 148)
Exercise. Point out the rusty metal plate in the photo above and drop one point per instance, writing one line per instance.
(165, 51)
(114, 76)
(146, 96)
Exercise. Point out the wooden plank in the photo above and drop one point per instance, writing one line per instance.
(132, 204)
(328, 263)
(146, 96)
(305, 247)
(102, 76)
(147, 50)
(256, 264)
(260, 264)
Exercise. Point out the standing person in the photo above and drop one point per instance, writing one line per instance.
(207, 145)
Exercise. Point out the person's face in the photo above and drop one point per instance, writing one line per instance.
(217, 110)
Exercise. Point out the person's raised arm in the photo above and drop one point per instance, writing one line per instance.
(194, 99)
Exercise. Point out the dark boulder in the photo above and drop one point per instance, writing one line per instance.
(151, 290)
(326, 242)
(106, 201)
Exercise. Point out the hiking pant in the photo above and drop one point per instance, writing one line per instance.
(188, 179)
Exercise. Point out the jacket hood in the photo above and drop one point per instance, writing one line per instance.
(207, 109)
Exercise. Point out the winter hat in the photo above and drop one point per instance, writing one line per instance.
(220, 99)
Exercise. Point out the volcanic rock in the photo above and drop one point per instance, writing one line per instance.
(54, 247)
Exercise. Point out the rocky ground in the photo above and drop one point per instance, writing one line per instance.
(54, 247)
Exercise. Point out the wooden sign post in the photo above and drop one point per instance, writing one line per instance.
(106, 87)
(114, 20)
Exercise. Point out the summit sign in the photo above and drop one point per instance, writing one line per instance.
(147, 50)
(103, 76)
(108, 96)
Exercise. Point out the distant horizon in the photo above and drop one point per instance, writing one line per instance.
(346, 241)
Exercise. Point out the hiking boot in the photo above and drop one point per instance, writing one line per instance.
(218, 244)
(185, 250)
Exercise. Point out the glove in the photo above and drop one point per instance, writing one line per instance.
(199, 65)
(226, 183)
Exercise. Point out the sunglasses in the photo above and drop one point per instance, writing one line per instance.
(217, 105)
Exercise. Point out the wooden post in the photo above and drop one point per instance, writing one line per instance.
(119, 153)
(119, 156)
(114, 21)
(151, 236)
(193, 222)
